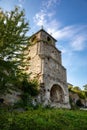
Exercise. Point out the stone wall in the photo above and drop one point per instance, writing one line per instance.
(34, 67)
(48, 50)
(11, 97)
(54, 70)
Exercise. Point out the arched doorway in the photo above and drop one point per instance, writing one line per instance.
(56, 94)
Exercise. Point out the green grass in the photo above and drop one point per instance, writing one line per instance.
(44, 119)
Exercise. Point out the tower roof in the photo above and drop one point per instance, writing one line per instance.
(42, 30)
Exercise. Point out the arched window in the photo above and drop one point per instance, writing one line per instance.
(49, 39)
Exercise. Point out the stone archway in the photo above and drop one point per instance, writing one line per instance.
(56, 94)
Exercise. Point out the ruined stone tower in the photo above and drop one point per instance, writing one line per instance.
(45, 64)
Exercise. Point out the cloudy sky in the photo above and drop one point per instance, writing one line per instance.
(66, 20)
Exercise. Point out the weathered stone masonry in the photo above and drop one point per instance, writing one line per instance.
(45, 64)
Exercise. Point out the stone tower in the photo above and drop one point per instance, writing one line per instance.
(45, 64)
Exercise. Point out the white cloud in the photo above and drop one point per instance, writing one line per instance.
(66, 32)
(39, 18)
(75, 35)
(21, 2)
(45, 16)
(60, 33)
(49, 3)
(79, 43)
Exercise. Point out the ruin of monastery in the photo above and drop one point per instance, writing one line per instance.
(45, 64)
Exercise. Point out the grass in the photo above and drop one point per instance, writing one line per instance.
(44, 119)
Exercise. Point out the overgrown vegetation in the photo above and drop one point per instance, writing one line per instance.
(44, 119)
(29, 91)
(82, 94)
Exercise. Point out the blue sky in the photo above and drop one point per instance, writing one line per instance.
(66, 20)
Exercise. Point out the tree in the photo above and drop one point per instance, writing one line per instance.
(13, 42)
(85, 87)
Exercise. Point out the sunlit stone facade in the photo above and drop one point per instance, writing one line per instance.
(45, 64)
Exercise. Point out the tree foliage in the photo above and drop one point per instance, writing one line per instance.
(13, 41)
